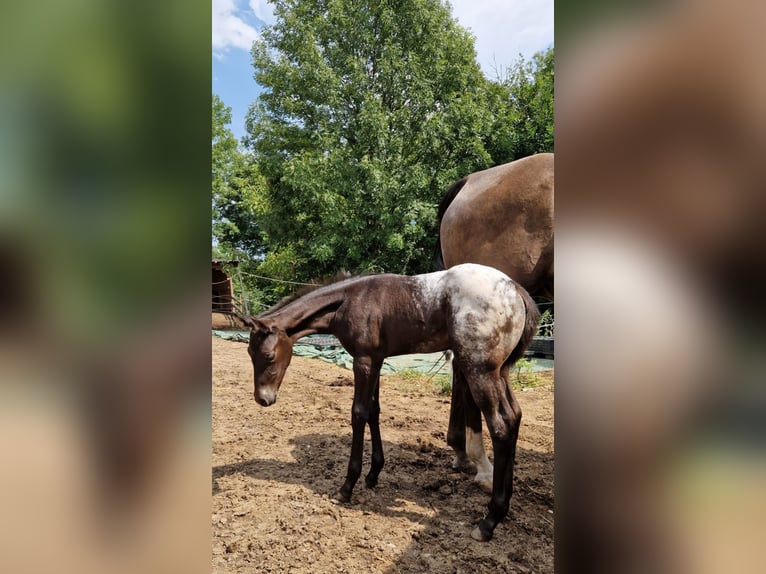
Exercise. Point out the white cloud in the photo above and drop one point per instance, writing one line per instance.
(229, 29)
(503, 28)
(506, 28)
(264, 10)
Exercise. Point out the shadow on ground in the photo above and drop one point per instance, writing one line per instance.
(420, 473)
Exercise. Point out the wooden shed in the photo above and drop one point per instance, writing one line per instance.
(223, 294)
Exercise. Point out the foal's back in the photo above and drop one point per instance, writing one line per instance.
(466, 306)
(385, 315)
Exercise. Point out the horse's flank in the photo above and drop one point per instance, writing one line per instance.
(503, 217)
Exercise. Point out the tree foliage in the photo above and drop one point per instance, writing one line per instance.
(370, 108)
(235, 189)
(522, 106)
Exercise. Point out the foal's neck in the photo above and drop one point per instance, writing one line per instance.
(311, 313)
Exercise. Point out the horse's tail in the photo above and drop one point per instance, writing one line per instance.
(446, 201)
(530, 326)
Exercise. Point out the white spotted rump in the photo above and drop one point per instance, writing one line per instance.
(482, 300)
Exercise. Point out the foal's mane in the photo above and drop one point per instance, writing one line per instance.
(339, 277)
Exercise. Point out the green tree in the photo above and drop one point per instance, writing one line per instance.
(370, 108)
(522, 109)
(237, 202)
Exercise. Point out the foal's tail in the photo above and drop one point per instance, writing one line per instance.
(446, 201)
(530, 327)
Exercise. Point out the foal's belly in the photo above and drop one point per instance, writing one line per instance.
(429, 344)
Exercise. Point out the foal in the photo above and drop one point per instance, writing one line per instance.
(479, 313)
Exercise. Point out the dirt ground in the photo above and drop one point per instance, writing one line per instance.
(276, 470)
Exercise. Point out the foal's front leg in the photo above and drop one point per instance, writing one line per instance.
(366, 374)
(377, 444)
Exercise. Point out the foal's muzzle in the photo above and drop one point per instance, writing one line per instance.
(265, 398)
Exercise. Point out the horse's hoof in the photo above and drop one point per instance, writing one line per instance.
(340, 497)
(479, 536)
(462, 464)
(484, 480)
(371, 482)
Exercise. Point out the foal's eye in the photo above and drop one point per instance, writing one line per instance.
(270, 356)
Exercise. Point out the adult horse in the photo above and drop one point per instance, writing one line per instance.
(479, 313)
(501, 217)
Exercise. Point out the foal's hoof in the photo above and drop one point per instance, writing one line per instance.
(370, 482)
(340, 497)
(480, 536)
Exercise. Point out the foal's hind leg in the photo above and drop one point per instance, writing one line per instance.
(503, 416)
(465, 433)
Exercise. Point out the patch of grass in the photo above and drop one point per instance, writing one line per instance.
(521, 375)
(411, 380)
(409, 375)
(525, 376)
(443, 384)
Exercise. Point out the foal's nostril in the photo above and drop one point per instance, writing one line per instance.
(265, 401)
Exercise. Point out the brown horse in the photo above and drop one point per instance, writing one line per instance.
(479, 313)
(501, 217)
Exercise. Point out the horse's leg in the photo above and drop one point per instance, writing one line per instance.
(456, 427)
(464, 434)
(365, 377)
(377, 444)
(503, 414)
(474, 443)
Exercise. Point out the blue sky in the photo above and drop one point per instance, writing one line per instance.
(503, 29)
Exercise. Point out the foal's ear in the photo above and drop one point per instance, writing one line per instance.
(252, 322)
